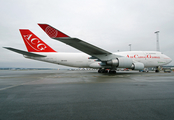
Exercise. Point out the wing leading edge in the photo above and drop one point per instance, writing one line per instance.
(83, 46)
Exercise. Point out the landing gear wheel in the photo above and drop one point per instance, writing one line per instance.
(102, 71)
(105, 71)
(99, 71)
(112, 71)
(157, 69)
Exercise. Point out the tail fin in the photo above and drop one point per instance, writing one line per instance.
(33, 43)
(52, 32)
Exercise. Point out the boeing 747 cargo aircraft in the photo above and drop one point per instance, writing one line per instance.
(92, 56)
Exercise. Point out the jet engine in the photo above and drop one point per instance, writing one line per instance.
(123, 62)
(137, 66)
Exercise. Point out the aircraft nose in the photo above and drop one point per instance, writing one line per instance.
(170, 60)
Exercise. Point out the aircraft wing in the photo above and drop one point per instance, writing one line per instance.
(81, 45)
(24, 52)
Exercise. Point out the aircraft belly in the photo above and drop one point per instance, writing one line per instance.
(76, 60)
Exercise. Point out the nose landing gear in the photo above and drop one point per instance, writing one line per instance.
(157, 69)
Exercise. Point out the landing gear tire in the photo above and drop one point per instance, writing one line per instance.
(102, 71)
(112, 71)
(99, 71)
(105, 71)
(157, 69)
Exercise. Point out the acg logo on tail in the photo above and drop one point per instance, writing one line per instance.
(34, 42)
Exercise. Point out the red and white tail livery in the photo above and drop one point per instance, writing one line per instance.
(33, 43)
(92, 56)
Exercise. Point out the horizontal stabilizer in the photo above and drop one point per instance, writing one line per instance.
(24, 52)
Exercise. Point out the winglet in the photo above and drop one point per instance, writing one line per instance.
(52, 32)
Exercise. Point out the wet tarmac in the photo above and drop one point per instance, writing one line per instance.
(86, 95)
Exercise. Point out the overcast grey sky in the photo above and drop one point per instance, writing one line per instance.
(109, 24)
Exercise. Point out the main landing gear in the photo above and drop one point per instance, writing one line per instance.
(112, 71)
(157, 69)
(102, 71)
(106, 71)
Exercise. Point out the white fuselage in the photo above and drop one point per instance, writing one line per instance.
(148, 58)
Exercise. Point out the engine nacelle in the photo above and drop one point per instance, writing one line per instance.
(113, 62)
(137, 66)
(121, 62)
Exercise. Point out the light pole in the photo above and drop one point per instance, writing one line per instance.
(157, 41)
(130, 46)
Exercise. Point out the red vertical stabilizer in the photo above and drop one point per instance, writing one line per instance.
(33, 43)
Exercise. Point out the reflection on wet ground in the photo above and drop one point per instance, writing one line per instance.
(86, 95)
